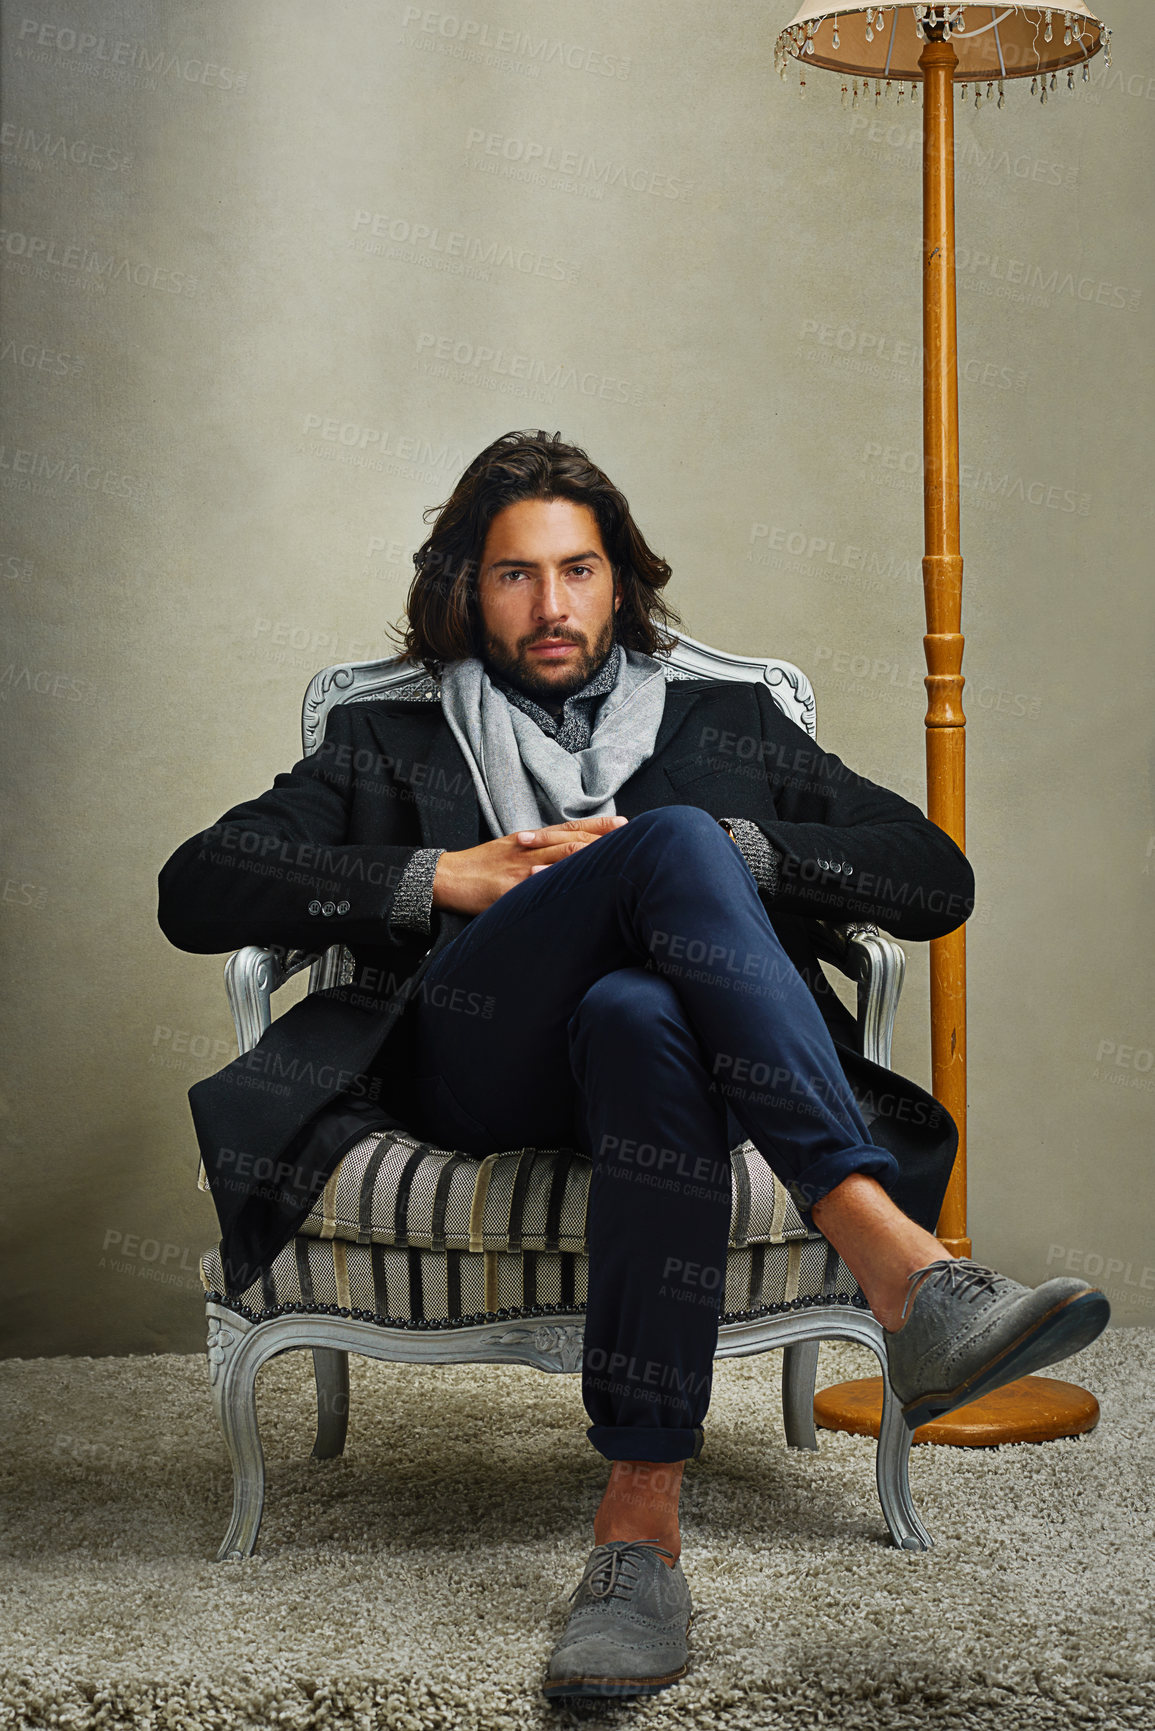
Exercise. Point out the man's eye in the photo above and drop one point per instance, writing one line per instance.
(574, 571)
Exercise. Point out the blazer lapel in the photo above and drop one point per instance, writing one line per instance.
(428, 759)
(446, 798)
(647, 786)
(681, 695)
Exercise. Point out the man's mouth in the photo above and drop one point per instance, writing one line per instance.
(552, 649)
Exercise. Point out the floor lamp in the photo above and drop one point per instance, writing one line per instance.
(881, 51)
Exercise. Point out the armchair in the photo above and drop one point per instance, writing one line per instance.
(430, 1256)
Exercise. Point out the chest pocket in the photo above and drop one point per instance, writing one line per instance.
(723, 785)
(689, 769)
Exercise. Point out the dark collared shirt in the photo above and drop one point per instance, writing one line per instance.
(573, 728)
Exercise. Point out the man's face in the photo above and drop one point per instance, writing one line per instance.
(547, 598)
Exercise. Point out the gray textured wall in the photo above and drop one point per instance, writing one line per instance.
(237, 228)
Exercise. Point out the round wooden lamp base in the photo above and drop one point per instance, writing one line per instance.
(1033, 1409)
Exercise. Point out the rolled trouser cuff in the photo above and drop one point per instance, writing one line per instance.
(631, 1442)
(827, 1173)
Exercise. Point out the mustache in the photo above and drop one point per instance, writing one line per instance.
(553, 637)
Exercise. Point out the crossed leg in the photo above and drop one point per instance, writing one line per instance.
(571, 1013)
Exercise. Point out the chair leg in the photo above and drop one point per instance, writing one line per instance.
(233, 1374)
(331, 1369)
(799, 1374)
(891, 1464)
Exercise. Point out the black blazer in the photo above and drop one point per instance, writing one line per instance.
(316, 860)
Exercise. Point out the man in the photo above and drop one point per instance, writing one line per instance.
(555, 827)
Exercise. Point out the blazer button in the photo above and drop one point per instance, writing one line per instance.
(823, 865)
(342, 907)
(314, 907)
(329, 908)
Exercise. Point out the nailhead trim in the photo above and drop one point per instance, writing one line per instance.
(807, 1302)
(474, 1318)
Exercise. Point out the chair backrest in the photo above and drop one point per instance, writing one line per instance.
(361, 681)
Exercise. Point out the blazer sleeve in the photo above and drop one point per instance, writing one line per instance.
(852, 850)
(280, 869)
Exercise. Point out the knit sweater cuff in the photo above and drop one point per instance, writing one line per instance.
(413, 897)
(760, 854)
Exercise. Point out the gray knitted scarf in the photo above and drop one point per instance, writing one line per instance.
(523, 777)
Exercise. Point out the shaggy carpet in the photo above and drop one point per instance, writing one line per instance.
(421, 1580)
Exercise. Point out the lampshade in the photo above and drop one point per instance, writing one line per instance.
(991, 42)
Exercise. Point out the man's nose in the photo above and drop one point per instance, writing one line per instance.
(549, 601)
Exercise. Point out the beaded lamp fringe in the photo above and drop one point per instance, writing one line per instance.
(962, 24)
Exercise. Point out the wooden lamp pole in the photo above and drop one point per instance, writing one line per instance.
(1033, 1408)
(942, 570)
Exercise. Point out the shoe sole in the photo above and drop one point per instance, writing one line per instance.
(1058, 1334)
(603, 1686)
(612, 1686)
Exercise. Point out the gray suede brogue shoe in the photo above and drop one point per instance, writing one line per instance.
(626, 1634)
(971, 1329)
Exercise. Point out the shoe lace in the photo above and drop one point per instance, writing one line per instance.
(615, 1573)
(959, 1274)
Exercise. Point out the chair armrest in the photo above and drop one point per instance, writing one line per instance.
(878, 964)
(252, 975)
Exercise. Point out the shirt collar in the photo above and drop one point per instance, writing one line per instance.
(602, 681)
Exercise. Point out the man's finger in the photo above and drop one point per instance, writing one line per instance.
(566, 845)
(554, 851)
(548, 837)
(556, 832)
(606, 820)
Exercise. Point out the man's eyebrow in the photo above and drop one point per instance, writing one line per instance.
(532, 564)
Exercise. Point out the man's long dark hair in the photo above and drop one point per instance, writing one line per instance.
(444, 620)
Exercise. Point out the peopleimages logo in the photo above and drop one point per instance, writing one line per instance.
(107, 54)
(800, 544)
(36, 147)
(457, 247)
(532, 153)
(380, 448)
(968, 154)
(485, 359)
(40, 472)
(37, 357)
(1018, 279)
(45, 682)
(38, 254)
(988, 486)
(475, 33)
(883, 355)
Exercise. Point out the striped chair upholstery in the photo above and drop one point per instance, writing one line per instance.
(407, 1233)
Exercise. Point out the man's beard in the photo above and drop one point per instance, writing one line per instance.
(521, 670)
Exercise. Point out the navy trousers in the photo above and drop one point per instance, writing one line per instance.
(642, 1009)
